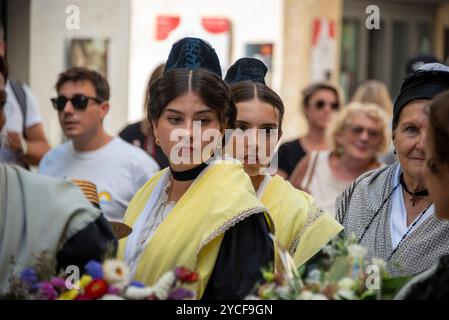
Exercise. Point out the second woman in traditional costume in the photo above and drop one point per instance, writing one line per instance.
(301, 227)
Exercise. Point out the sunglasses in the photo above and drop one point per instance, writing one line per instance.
(358, 130)
(320, 104)
(2, 99)
(79, 101)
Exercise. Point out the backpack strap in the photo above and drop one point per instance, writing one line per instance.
(21, 97)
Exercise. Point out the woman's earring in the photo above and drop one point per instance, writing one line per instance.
(340, 150)
(157, 141)
(395, 152)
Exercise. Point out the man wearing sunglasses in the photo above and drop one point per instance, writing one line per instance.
(116, 167)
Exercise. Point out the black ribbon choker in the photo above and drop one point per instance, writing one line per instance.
(422, 193)
(188, 175)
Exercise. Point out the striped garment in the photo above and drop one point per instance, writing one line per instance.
(369, 199)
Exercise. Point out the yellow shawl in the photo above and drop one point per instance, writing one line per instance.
(191, 234)
(301, 227)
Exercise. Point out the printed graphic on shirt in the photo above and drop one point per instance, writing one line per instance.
(104, 197)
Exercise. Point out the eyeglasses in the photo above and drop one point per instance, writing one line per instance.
(320, 104)
(2, 99)
(79, 101)
(358, 130)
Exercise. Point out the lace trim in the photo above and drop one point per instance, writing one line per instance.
(163, 198)
(313, 214)
(229, 224)
(226, 226)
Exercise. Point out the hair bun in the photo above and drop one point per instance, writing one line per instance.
(246, 69)
(193, 53)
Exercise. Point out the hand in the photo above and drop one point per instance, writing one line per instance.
(15, 142)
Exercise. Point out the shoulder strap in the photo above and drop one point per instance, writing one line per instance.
(20, 94)
(310, 169)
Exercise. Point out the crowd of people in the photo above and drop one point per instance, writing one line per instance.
(212, 205)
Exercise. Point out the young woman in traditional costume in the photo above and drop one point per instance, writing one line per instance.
(205, 217)
(301, 227)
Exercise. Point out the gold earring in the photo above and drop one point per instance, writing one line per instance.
(340, 150)
(157, 141)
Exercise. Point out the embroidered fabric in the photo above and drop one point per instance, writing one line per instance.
(160, 212)
(313, 214)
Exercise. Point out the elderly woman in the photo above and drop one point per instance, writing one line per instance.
(356, 136)
(389, 209)
(432, 284)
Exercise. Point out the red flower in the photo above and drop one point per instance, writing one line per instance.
(153, 297)
(185, 275)
(96, 289)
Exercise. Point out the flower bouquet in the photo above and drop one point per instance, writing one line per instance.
(109, 280)
(340, 271)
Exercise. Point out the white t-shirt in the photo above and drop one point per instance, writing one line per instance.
(118, 169)
(14, 118)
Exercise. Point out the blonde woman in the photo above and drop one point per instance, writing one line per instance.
(374, 91)
(356, 136)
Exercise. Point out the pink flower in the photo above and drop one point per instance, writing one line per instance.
(113, 290)
(58, 282)
(47, 290)
(181, 294)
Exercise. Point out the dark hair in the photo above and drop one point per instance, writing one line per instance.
(212, 90)
(308, 92)
(438, 128)
(4, 68)
(83, 74)
(2, 31)
(248, 90)
(157, 73)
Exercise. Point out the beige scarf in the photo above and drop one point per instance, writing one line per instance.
(37, 214)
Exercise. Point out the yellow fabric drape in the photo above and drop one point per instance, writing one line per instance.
(191, 234)
(301, 228)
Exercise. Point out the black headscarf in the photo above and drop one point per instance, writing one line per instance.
(425, 83)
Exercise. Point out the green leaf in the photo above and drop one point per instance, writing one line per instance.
(340, 269)
(391, 286)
